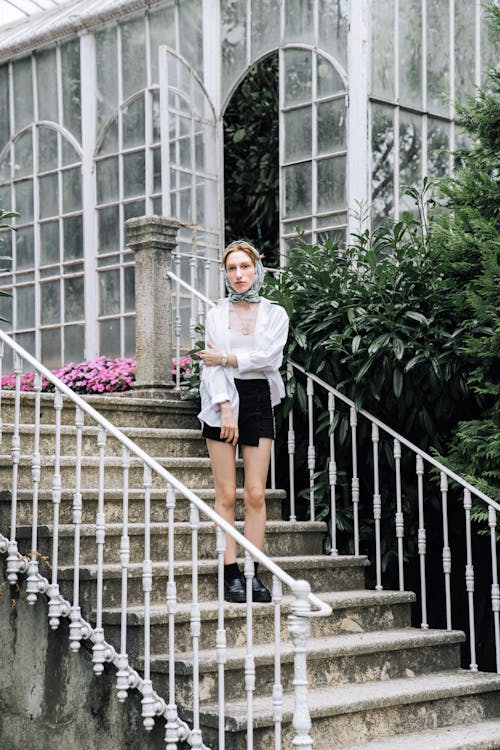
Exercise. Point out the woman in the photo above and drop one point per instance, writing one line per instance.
(240, 384)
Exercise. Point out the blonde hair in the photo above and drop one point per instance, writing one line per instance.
(245, 247)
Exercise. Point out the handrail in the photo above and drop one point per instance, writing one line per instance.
(323, 608)
(437, 464)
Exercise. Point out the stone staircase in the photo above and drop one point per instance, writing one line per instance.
(374, 681)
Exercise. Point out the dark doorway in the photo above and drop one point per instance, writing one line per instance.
(251, 160)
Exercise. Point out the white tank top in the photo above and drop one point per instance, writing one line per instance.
(240, 342)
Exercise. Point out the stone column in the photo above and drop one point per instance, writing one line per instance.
(153, 238)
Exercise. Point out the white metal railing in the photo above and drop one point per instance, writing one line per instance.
(423, 461)
(303, 603)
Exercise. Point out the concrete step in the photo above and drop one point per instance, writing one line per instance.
(113, 505)
(122, 410)
(155, 441)
(350, 714)
(332, 661)
(282, 538)
(324, 573)
(480, 735)
(193, 472)
(353, 612)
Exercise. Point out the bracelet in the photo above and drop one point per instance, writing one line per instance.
(223, 359)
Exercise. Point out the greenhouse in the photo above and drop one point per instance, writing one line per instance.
(113, 109)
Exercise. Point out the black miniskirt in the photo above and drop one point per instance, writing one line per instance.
(255, 414)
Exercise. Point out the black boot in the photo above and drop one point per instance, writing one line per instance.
(259, 591)
(234, 584)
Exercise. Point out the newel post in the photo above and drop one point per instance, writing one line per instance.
(299, 627)
(153, 239)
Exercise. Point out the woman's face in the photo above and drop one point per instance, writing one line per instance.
(240, 270)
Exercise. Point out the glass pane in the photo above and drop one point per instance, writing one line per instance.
(265, 26)
(74, 343)
(70, 64)
(333, 27)
(129, 279)
(298, 133)
(438, 56)
(131, 210)
(190, 33)
(25, 248)
(27, 341)
(46, 83)
(107, 180)
(331, 126)
(49, 240)
(5, 164)
(25, 307)
(331, 184)
(72, 190)
(48, 196)
(299, 21)
(6, 310)
(109, 143)
(109, 292)
(156, 118)
(298, 76)
(161, 31)
(133, 47)
(50, 302)
(410, 154)
(107, 75)
(23, 149)
(129, 324)
(410, 52)
(109, 338)
(134, 123)
(234, 36)
(5, 249)
(73, 299)
(108, 221)
(383, 49)
(4, 106)
(382, 162)
(73, 237)
(134, 174)
(464, 49)
(23, 93)
(156, 170)
(47, 149)
(24, 200)
(298, 189)
(438, 147)
(334, 220)
(329, 80)
(51, 348)
(489, 43)
(69, 154)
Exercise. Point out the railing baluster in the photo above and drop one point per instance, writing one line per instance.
(249, 658)
(273, 466)
(122, 676)
(355, 479)
(98, 649)
(332, 475)
(33, 579)
(15, 564)
(422, 542)
(469, 581)
(221, 643)
(53, 590)
(299, 627)
(177, 319)
(377, 507)
(194, 522)
(172, 724)
(277, 686)
(495, 589)
(311, 450)
(148, 702)
(291, 453)
(446, 549)
(399, 513)
(192, 319)
(75, 630)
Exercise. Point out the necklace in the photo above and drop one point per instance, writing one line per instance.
(244, 324)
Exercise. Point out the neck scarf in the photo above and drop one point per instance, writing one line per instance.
(252, 294)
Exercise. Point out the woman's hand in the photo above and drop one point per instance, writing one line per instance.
(228, 427)
(211, 356)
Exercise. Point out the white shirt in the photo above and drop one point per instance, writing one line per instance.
(217, 383)
(239, 343)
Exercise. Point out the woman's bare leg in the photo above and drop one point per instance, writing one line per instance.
(223, 460)
(256, 464)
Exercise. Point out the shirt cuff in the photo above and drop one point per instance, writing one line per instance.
(219, 398)
(244, 362)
